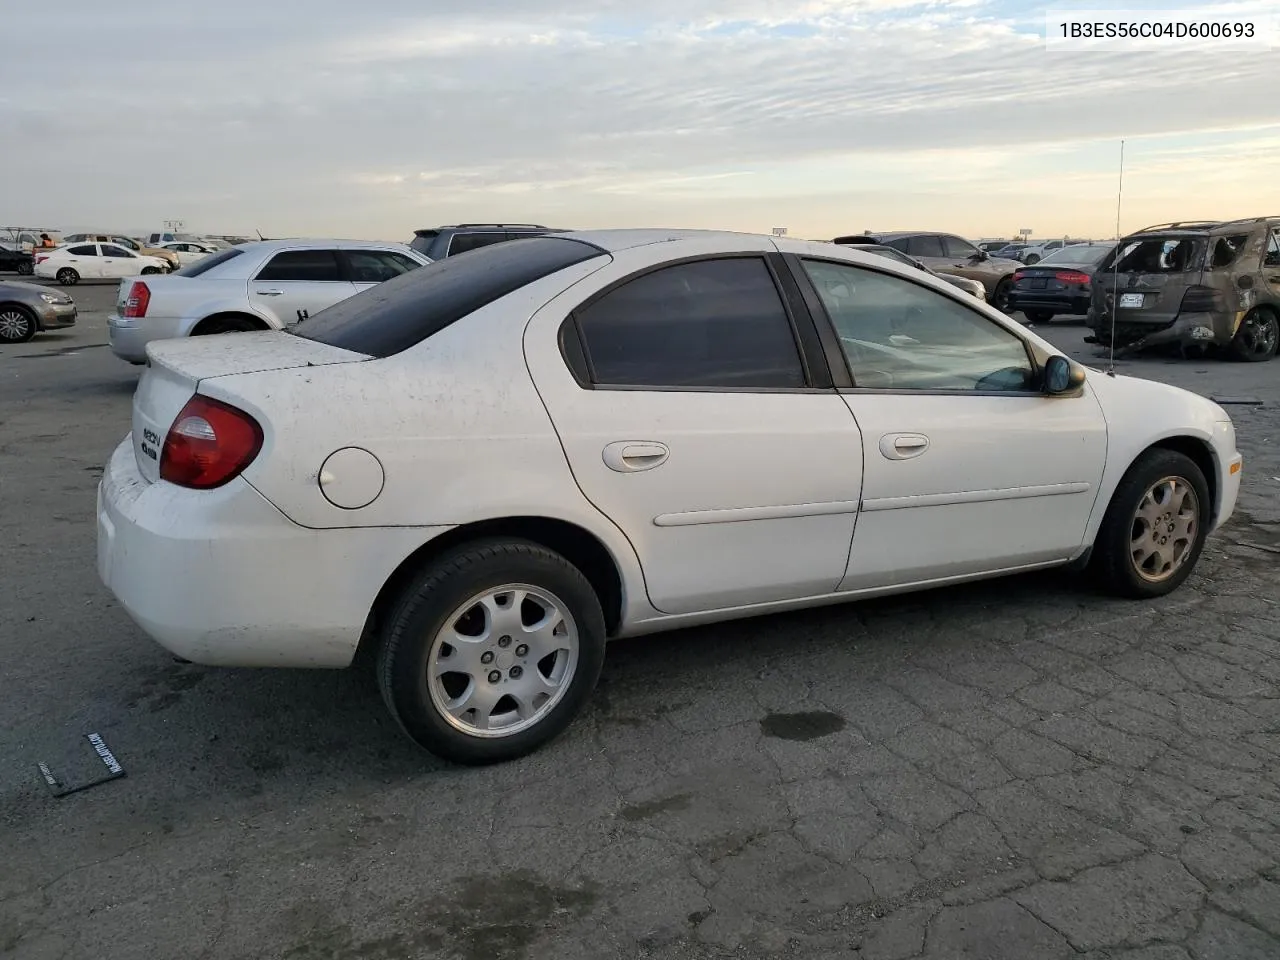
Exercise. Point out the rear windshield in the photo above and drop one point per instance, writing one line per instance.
(422, 241)
(1157, 255)
(405, 310)
(1079, 253)
(207, 263)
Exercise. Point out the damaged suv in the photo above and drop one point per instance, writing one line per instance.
(1192, 285)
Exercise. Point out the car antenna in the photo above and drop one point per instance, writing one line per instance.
(1115, 272)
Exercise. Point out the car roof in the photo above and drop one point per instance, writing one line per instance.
(897, 234)
(1203, 226)
(266, 246)
(613, 241)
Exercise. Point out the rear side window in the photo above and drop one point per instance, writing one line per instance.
(205, 264)
(314, 266)
(1226, 250)
(393, 316)
(462, 242)
(709, 323)
(1272, 257)
(88, 250)
(925, 247)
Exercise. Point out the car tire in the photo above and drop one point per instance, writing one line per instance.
(26, 268)
(17, 323)
(1038, 316)
(1155, 526)
(1257, 337)
(150, 271)
(1000, 296)
(461, 595)
(68, 277)
(1032, 260)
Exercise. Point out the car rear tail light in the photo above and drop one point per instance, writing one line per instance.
(41, 259)
(1071, 276)
(1018, 275)
(139, 300)
(1200, 299)
(209, 444)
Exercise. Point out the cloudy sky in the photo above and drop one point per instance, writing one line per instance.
(824, 116)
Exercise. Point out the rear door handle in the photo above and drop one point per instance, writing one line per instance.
(903, 446)
(632, 456)
(269, 293)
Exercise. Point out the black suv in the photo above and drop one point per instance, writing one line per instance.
(440, 242)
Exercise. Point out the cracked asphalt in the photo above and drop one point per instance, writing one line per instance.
(1019, 769)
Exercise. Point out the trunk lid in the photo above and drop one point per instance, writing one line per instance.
(1148, 276)
(175, 369)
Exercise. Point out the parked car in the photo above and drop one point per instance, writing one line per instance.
(188, 251)
(440, 242)
(17, 261)
(28, 308)
(1033, 253)
(168, 256)
(971, 287)
(1058, 284)
(949, 254)
(992, 246)
(257, 286)
(1204, 283)
(94, 261)
(512, 456)
(1010, 251)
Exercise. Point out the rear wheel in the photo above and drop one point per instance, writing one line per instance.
(1000, 298)
(1154, 528)
(1038, 316)
(1032, 259)
(68, 277)
(1257, 337)
(17, 323)
(25, 268)
(492, 652)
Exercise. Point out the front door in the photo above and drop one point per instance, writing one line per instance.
(690, 419)
(118, 262)
(369, 267)
(296, 283)
(969, 467)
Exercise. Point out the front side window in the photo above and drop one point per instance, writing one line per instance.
(705, 324)
(88, 250)
(958, 249)
(898, 335)
(126, 243)
(375, 266)
(925, 247)
(311, 266)
(112, 251)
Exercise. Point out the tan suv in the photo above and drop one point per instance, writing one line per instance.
(1192, 285)
(946, 253)
(168, 256)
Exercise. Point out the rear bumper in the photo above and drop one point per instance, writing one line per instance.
(129, 338)
(1134, 331)
(221, 577)
(1032, 300)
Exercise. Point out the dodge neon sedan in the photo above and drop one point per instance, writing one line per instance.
(484, 470)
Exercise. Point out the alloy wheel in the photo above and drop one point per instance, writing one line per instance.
(15, 325)
(502, 661)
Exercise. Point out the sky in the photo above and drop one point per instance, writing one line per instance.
(369, 120)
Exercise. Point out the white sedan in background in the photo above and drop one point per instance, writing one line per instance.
(94, 261)
(187, 251)
(486, 469)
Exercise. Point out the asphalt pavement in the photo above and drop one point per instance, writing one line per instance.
(1018, 769)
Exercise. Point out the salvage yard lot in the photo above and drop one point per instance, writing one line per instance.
(1016, 769)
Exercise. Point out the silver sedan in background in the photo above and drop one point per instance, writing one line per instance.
(28, 308)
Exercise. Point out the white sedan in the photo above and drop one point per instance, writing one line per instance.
(94, 261)
(486, 469)
(188, 252)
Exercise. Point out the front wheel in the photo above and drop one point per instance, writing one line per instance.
(1000, 298)
(17, 324)
(492, 652)
(1257, 337)
(68, 277)
(1154, 528)
(1038, 316)
(150, 271)
(26, 268)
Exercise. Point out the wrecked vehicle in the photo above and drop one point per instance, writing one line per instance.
(1194, 286)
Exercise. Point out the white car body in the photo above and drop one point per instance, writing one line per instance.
(232, 284)
(95, 261)
(188, 251)
(705, 504)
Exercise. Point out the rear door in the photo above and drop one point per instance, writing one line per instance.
(297, 283)
(85, 260)
(694, 419)
(1271, 267)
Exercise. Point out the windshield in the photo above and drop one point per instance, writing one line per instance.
(204, 264)
(1079, 254)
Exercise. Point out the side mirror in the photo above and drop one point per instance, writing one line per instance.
(920, 265)
(1061, 376)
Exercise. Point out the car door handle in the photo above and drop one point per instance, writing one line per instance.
(903, 446)
(269, 293)
(632, 456)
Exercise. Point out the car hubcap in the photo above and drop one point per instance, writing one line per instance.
(13, 325)
(1164, 529)
(502, 661)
